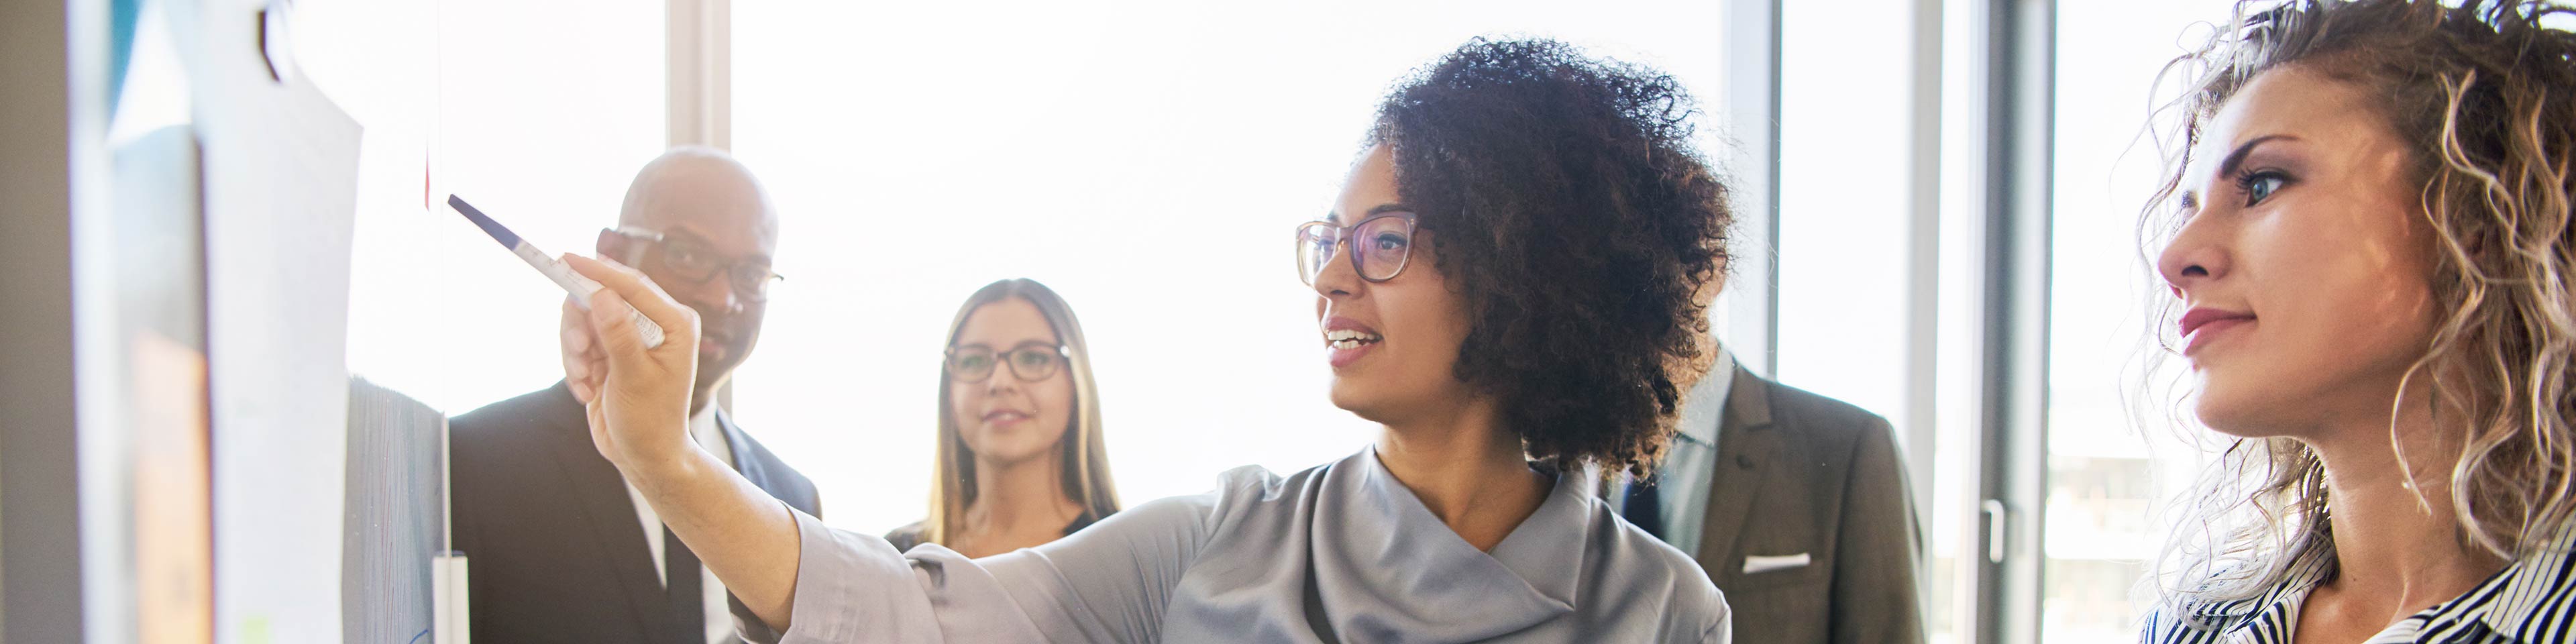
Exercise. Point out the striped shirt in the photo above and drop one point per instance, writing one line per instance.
(2532, 601)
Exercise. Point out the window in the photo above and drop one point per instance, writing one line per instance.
(2106, 477)
(1147, 162)
(1848, 255)
(538, 128)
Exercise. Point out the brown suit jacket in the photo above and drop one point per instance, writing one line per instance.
(1797, 473)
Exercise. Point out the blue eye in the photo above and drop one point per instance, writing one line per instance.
(2259, 186)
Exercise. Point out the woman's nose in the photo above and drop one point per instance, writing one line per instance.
(2196, 255)
(1335, 279)
(1002, 380)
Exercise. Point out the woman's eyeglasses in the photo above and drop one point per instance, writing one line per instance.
(1380, 246)
(691, 259)
(1030, 362)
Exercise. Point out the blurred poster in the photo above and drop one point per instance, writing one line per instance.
(173, 551)
(157, 458)
(280, 177)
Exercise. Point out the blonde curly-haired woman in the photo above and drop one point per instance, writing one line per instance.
(2368, 240)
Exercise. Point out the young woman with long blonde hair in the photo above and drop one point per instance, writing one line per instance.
(1021, 461)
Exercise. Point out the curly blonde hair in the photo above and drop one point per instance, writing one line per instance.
(2484, 96)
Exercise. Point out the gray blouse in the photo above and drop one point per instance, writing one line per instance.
(1341, 552)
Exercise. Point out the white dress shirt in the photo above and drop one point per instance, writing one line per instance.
(1692, 457)
(710, 436)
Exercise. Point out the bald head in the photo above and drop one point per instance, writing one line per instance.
(701, 188)
(696, 222)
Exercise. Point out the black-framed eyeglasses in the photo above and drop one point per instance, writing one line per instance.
(1030, 361)
(1380, 246)
(692, 259)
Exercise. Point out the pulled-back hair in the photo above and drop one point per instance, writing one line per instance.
(1084, 458)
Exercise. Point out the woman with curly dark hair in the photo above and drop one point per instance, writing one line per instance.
(1506, 285)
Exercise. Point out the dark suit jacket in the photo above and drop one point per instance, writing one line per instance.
(1801, 473)
(553, 548)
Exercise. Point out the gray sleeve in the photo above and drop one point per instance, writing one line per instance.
(1105, 584)
(1721, 628)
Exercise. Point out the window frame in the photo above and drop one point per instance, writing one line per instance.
(2010, 91)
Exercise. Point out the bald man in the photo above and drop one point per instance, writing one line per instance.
(559, 548)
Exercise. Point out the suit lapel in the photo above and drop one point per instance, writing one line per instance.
(744, 460)
(610, 513)
(1746, 447)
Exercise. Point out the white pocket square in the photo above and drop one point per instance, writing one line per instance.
(1768, 563)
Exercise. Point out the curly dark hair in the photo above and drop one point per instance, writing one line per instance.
(1579, 222)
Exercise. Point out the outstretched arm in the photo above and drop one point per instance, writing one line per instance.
(1108, 583)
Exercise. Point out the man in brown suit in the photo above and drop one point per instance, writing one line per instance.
(1797, 506)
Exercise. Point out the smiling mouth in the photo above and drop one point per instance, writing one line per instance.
(1005, 416)
(1350, 338)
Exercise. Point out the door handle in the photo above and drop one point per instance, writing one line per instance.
(1997, 516)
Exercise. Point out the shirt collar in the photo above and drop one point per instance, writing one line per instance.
(1705, 404)
(2504, 603)
(2533, 584)
(1370, 531)
(709, 433)
(2245, 617)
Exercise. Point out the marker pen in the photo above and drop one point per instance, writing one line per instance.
(580, 287)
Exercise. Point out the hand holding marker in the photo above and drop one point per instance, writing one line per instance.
(580, 287)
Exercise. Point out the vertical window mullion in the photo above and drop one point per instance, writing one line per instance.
(1752, 120)
(2019, 40)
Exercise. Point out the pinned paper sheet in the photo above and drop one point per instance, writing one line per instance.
(280, 194)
